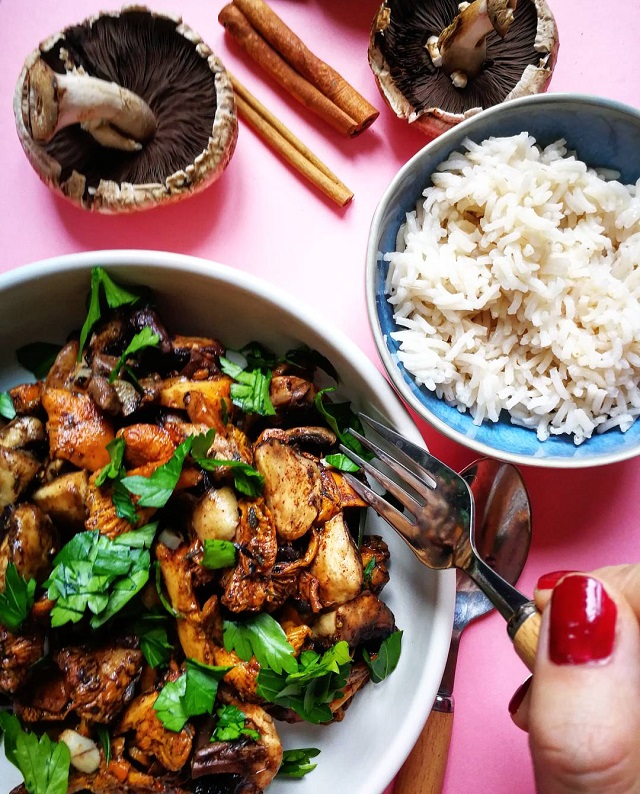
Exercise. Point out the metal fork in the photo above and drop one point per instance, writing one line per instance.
(439, 526)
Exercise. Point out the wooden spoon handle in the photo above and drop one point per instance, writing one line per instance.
(423, 771)
(525, 636)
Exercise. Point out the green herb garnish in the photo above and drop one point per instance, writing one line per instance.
(94, 574)
(151, 630)
(219, 554)
(115, 296)
(295, 763)
(386, 660)
(44, 764)
(231, 725)
(263, 637)
(142, 340)
(38, 357)
(313, 686)
(156, 490)
(251, 390)
(16, 599)
(6, 406)
(193, 693)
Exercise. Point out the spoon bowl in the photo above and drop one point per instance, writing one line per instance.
(502, 537)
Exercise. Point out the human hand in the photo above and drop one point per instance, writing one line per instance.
(581, 707)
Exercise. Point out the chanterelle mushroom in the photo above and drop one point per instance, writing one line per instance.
(126, 110)
(438, 62)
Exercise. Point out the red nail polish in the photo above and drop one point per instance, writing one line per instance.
(518, 695)
(582, 621)
(549, 580)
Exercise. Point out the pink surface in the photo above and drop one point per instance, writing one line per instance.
(263, 218)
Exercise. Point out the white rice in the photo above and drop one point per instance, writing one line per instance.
(516, 283)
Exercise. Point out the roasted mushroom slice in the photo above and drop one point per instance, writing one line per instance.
(255, 761)
(126, 110)
(30, 542)
(18, 652)
(437, 62)
(337, 564)
(150, 738)
(364, 618)
(96, 684)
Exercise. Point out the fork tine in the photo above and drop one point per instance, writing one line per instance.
(421, 485)
(405, 528)
(402, 496)
(417, 455)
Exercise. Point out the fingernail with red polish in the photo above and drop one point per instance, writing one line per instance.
(518, 695)
(582, 621)
(549, 580)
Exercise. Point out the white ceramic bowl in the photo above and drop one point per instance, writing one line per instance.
(605, 134)
(46, 300)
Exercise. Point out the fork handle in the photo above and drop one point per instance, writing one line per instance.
(423, 771)
(524, 630)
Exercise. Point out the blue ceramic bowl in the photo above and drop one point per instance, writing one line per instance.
(603, 133)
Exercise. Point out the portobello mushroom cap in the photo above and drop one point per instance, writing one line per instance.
(126, 110)
(517, 58)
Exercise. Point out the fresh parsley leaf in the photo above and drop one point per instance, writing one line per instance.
(38, 357)
(193, 693)
(143, 339)
(92, 573)
(115, 296)
(340, 418)
(156, 490)
(251, 391)
(310, 689)
(104, 737)
(123, 503)
(246, 479)
(386, 660)
(151, 630)
(115, 468)
(6, 406)
(44, 764)
(16, 599)
(258, 356)
(295, 763)
(263, 637)
(219, 554)
(163, 599)
(342, 462)
(231, 725)
(368, 570)
(305, 357)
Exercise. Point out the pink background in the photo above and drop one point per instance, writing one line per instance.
(261, 217)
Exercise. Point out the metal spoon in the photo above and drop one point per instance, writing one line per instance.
(502, 537)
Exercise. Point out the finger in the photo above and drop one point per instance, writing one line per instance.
(582, 730)
(623, 578)
(519, 704)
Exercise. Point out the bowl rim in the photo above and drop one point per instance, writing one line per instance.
(371, 262)
(443, 582)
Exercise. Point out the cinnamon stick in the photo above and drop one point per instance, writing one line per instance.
(291, 148)
(294, 51)
(273, 62)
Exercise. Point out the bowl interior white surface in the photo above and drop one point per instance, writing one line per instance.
(604, 134)
(46, 300)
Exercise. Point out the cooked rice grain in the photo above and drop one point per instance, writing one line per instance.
(516, 283)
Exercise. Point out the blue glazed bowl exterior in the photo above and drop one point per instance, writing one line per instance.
(603, 133)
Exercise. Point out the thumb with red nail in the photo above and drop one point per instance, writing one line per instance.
(582, 705)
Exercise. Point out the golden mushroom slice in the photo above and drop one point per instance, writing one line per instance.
(126, 110)
(437, 62)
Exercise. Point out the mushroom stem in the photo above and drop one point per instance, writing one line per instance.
(461, 48)
(115, 116)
